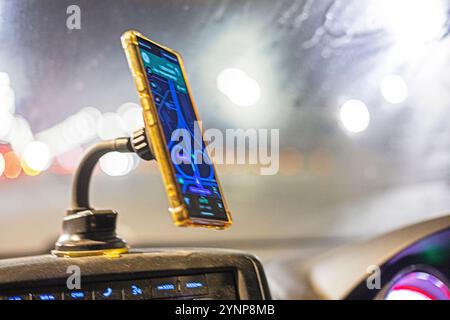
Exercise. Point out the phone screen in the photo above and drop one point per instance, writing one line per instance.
(196, 179)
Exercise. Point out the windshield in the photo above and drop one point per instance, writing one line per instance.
(359, 91)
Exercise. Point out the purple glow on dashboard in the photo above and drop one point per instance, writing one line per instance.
(418, 286)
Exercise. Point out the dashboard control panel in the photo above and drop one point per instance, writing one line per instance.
(214, 285)
(188, 274)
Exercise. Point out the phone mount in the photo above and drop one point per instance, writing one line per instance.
(86, 231)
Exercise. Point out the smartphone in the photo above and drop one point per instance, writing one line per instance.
(195, 195)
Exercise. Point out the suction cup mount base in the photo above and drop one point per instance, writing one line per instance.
(90, 232)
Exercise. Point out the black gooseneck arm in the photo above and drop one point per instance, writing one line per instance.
(81, 184)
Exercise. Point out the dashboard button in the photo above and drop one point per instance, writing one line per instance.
(17, 297)
(137, 290)
(165, 288)
(107, 293)
(47, 296)
(194, 285)
(78, 295)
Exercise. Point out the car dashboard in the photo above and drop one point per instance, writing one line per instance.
(190, 274)
(410, 263)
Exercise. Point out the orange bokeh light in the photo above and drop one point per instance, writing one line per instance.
(12, 165)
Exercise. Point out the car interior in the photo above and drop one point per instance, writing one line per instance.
(348, 196)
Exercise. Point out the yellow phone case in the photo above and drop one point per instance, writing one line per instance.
(180, 214)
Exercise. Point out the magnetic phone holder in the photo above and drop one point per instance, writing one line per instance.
(87, 231)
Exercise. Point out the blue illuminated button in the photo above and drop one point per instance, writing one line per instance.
(194, 285)
(107, 292)
(165, 288)
(207, 213)
(47, 296)
(17, 297)
(137, 290)
(78, 295)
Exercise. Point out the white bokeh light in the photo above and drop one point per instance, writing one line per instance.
(78, 128)
(6, 125)
(71, 159)
(239, 87)
(355, 116)
(394, 89)
(117, 164)
(91, 112)
(131, 115)
(4, 79)
(36, 156)
(7, 100)
(20, 134)
(413, 22)
(110, 126)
